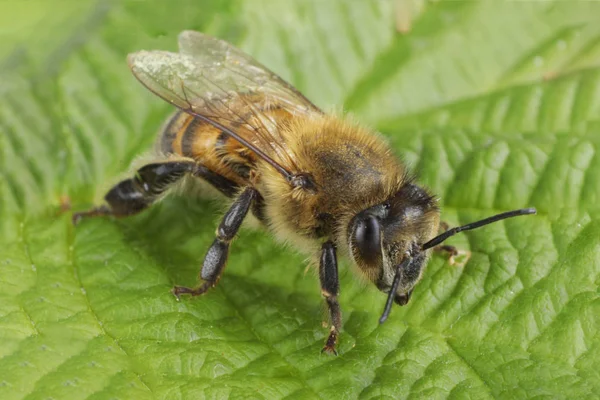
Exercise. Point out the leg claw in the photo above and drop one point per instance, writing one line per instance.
(94, 212)
(179, 290)
(460, 254)
(76, 218)
(453, 253)
(331, 342)
(329, 350)
(176, 292)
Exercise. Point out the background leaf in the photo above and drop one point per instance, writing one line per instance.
(496, 106)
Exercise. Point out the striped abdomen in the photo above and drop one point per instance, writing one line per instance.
(185, 135)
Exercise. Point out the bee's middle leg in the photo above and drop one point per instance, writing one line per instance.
(216, 257)
(330, 288)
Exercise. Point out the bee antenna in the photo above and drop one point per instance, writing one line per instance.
(474, 225)
(392, 292)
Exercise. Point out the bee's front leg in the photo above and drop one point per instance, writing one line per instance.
(451, 251)
(330, 287)
(216, 257)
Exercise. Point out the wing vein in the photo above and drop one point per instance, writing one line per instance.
(226, 88)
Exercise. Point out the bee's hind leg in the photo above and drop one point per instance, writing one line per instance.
(135, 194)
(216, 257)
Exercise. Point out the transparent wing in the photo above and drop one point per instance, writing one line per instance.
(215, 81)
(211, 49)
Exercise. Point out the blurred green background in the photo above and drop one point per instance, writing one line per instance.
(495, 105)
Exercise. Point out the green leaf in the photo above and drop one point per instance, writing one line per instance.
(496, 106)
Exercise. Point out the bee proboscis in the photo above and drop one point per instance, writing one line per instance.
(322, 182)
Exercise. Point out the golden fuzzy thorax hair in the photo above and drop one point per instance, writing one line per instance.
(353, 169)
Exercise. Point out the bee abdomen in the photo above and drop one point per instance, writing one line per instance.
(190, 135)
(228, 152)
(171, 130)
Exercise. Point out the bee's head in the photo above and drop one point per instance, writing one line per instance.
(390, 242)
(382, 236)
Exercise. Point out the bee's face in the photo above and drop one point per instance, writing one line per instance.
(382, 236)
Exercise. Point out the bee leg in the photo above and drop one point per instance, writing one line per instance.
(133, 195)
(216, 257)
(443, 227)
(452, 252)
(330, 288)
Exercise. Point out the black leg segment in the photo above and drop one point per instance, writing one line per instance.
(133, 195)
(444, 248)
(330, 288)
(216, 257)
(228, 187)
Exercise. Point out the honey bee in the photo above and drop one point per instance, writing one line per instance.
(319, 181)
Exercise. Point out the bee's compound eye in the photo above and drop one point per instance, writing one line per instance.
(367, 238)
